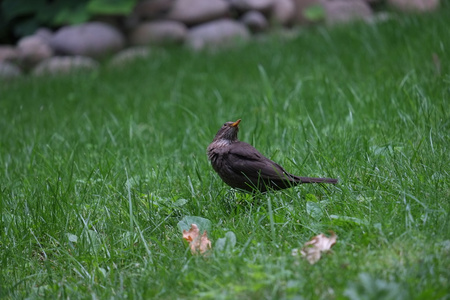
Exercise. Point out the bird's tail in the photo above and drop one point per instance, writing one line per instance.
(316, 180)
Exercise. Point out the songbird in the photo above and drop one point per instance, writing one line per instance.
(242, 167)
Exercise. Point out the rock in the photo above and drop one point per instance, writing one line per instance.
(415, 5)
(255, 21)
(151, 9)
(343, 11)
(45, 34)
(32, 50)
(216, 33)
(9, 70)
(191, 12)
(283, 11)
(8, 53)
(300, 7)
(129, 55)
(246, 5)
(64, 64)
(158, 32)
(92, 39)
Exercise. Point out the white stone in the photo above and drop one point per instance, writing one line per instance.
(129, 55)
(283, 11)
(90, 39)
(33, 49)
(415, 5)
(216, 33)
(158, 32)
(64, 65)
(193, 12)
(343, 11)
(255, 21)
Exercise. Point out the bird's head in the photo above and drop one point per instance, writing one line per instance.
(228, 133)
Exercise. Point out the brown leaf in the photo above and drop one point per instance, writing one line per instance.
(318, 244)
(197, 243)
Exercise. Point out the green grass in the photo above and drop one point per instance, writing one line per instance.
(97, 169)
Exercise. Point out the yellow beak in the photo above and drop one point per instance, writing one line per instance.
(235, 124)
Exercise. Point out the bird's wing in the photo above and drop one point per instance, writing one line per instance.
(245, 159)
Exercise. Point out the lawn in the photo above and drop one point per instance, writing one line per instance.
(98, 169)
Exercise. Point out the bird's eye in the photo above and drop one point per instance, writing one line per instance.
(225, 124)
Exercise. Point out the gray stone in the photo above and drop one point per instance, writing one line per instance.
(192, 12)
(8, 53)
(283, 11)
(9, 70)
(64, 64)
(129, 55)
(216, 33)
(415, 5)
(32, 50)
(255, 21)
(45, 34)
(158, 32)
(245, 5)
(92, 39)
(343, 11)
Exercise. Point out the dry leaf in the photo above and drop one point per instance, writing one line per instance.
(197, 243)
(318, 244)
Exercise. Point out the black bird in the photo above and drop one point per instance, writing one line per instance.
(241, 166)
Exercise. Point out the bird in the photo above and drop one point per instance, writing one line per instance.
(244, 168)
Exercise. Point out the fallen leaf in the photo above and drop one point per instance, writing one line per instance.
(313, 249)
(197, 243)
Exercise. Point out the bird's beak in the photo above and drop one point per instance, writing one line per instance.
(235, 124)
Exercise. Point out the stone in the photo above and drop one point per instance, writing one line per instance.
(92, 39)
(283, 12)
(415, 5)
(255, 21)
(246, 5)
(8, 53)
(129, 55)
(9, 70)
(216, 33)
(344, 11)
(32, 50)
(191, 12)
(158, 32)
(45, 34)
(64, 64)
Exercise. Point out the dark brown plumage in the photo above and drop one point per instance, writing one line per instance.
(241, 166)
